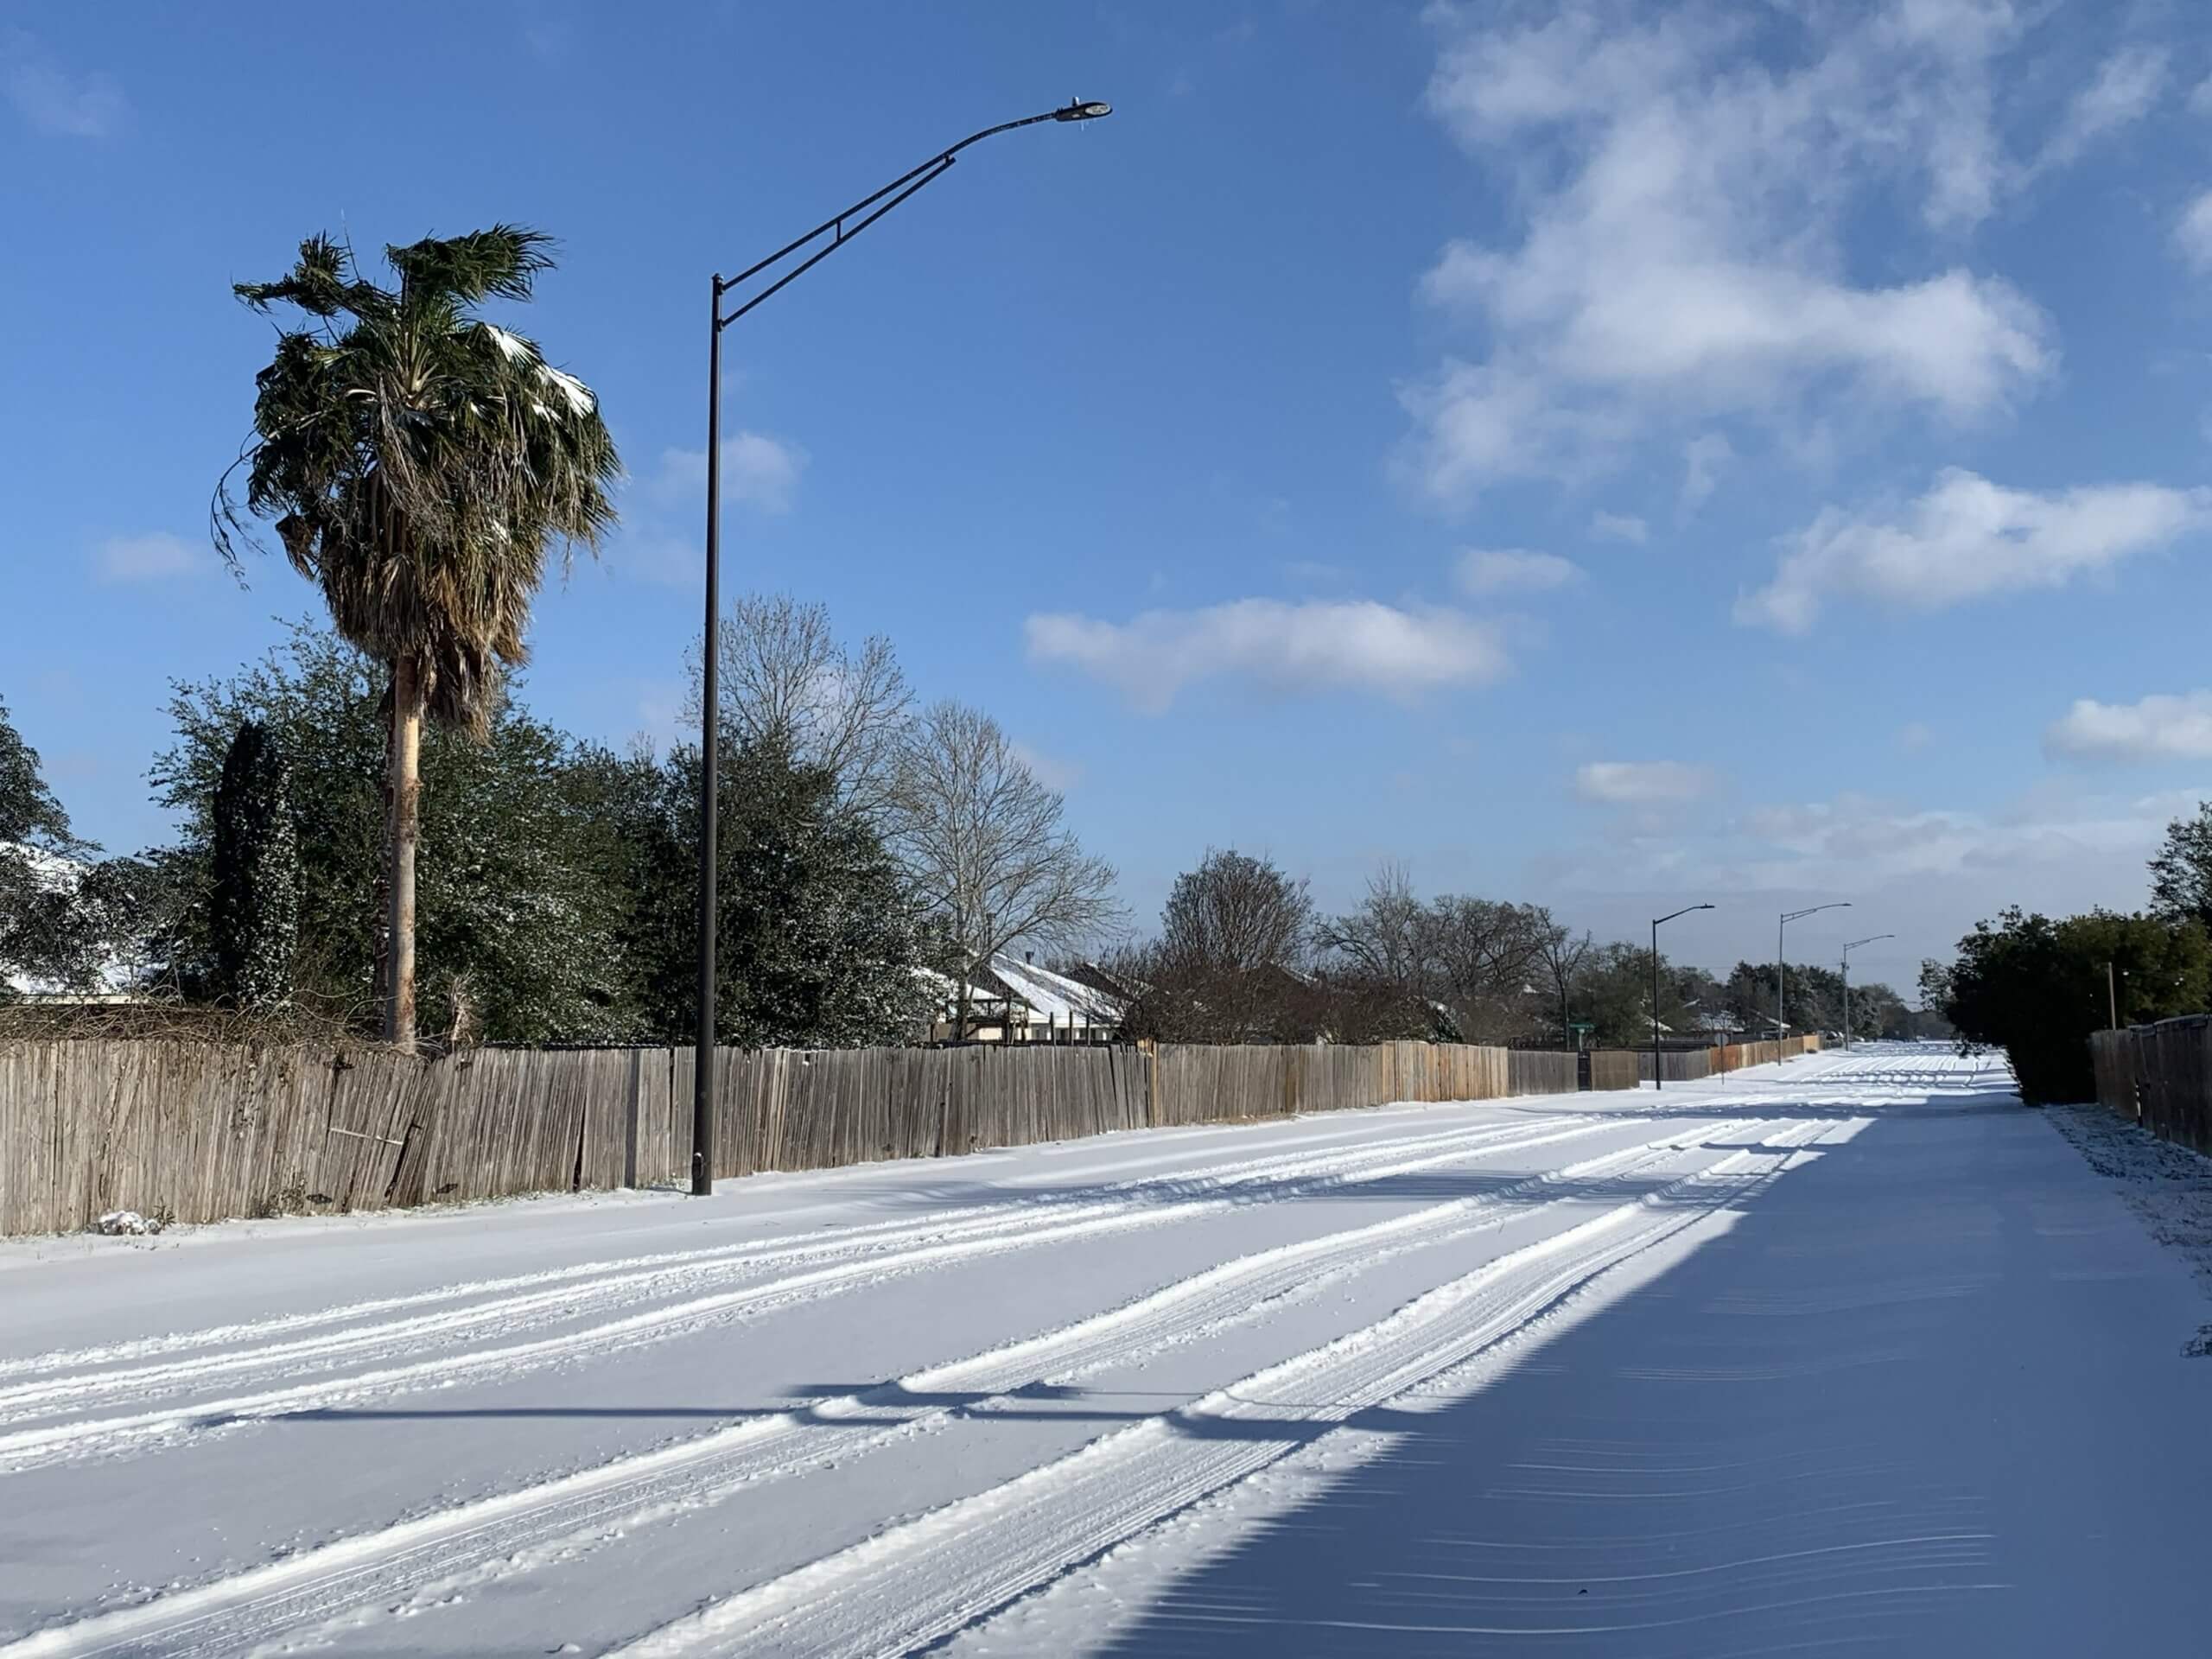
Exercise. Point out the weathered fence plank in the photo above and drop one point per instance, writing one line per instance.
(202, 1131)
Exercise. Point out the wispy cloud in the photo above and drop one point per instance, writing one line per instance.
(1642, 783)
(1048, 769)
(1357, 645)
(158, 557)
(2193, 233)
(1619, 527)
(2126, 88)
(1968, 538)
(50, 97)
(1704, 458)
(759, 471)
(1512, 569)
(2158, 727)
(659, 537)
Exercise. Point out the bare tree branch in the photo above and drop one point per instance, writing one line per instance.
(984, 842)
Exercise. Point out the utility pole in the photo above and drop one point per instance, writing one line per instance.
(1658, 1067)
(2111, 998)
(1788, 917)
(837, 231)
(1848, 949)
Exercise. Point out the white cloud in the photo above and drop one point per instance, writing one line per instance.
(1621, 527)
(1641, 783)
(1915, 734)
(2127, 86)
(1512, 569)
(1685, 205)
(2200, 101)
(51, 100)
(1360, 645)
(155, 558)
(2158, 727)
(759, 471)
(1054, 773)
(1703, 458)
(1968, 538)
(2193, 233)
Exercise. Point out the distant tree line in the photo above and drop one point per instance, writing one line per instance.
(1243, 955)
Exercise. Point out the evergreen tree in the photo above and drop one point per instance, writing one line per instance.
(518, 910)
(2037, 987)
(2181, 872)
(818, 939)
(36, 859)
(254, 905)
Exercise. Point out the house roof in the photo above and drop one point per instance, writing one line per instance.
(1056, 997)
(1052, 999)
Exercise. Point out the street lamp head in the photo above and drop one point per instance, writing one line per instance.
(1077, 110)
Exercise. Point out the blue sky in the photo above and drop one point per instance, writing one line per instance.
(1620, 455)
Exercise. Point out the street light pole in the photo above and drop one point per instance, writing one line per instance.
(1848, 949)
(1788, 917)
(1658, 1078)
(838, 232)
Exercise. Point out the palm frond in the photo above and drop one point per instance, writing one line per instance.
(496, 264)
(421, 463)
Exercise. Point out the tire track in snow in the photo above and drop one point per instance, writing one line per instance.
(1322, 1153)
(923, 1579)
(551, 1522)
(53, 1442)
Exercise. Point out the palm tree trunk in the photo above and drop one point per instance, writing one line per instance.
(406, 822)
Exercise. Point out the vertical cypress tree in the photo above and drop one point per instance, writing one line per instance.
(255, 903)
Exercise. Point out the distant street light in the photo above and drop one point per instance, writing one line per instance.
(1848, 949)
(839, 232)
(1658, 1081)
(1780, 1024)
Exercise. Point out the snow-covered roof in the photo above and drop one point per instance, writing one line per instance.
(58, 873)
(1055, 997)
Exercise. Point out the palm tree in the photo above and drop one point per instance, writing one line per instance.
(420, 464)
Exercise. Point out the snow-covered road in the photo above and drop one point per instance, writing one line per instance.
(1857, 1355)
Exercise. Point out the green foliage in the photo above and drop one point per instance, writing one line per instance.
(2037, 988)
(522, 913)
(69, 921)
(558, 877)
(29, 814)
(818, 939)
(2181, 872)
(254, 903)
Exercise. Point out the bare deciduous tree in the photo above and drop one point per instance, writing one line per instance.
(788, 680)
(1561, 956)
(1481, 952)
(1234, 937)
(1454, 964)
(1385, 940)
(986, 844)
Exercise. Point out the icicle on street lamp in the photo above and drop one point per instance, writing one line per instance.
(1848, 949)
(1658, 1078)
(839, 230)
(1788, 917)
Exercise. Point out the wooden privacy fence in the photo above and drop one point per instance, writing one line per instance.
(1689, 1065)
(202, 1131)
(2160, 1077)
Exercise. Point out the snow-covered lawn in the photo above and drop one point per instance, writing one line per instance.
(1855, 1354)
